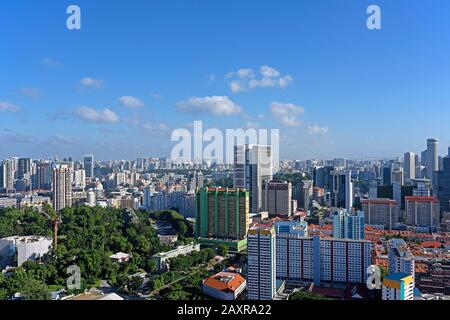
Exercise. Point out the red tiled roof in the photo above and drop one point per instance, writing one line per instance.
(422, 199)
(431, 244)
(225, 281)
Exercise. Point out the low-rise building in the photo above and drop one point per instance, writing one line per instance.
(224, 285)
(162, 258)
(120, 257)
(19, 249)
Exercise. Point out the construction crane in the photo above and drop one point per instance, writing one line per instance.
(56, 221)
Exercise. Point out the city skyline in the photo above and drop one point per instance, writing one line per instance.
(118, 89)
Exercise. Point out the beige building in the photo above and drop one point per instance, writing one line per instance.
(422, 211)
(62, 187)
(381, 211)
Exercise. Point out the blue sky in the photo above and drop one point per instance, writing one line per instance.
(139, 69)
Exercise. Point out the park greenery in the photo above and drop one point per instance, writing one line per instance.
(87, 237)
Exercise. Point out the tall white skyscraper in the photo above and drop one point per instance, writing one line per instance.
(252, 166)
(410, 166)
(432, 158)
(261, 250)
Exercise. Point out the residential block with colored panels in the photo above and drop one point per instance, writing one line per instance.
(398, 286)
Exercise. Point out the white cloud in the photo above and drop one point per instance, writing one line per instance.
(236, 86)
(269, 72)
(99, 116)
(91, 82)
(316, 130)
(211, 77)
(30, 92)
(216, 105)
(287, 113)
(245, 79)
(131, 102)
(6, 106)
(51, 62)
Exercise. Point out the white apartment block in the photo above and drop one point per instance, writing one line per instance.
(326, 260)
(261, 250)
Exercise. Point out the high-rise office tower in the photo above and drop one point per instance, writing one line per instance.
(88, 161)
(222, 216)
(62, 187)
(387, 176)
(200, 179)
(44, 176)
(261, 252)
(24, 167)
(342, 191)
(252, 166)
(443, 185)
(348, 226)
(277, 197)
(400, 258)
(398, 176)
(410, 166)
(432, 158)
(79, 178)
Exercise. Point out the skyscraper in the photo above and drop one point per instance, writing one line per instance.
(261, 251)
(276, 197)
(387, 176)
(24, 167)
(252, 166)
(6, 175)
(432, 158)
(410, 166)
(443, 184)
(88, 161)
(62, 187)
(342, 192)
